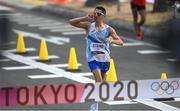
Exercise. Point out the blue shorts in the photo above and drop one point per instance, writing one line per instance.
(103, 66)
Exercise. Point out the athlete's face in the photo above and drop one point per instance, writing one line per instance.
(98, 15)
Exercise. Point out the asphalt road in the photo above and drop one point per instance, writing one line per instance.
(136, 60)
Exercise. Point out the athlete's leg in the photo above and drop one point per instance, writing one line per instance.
(97, 75)
(142, 20)
(103, 76)
(104, 69)
(135, 20)
(95, 69)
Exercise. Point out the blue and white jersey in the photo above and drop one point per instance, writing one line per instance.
(97, 44)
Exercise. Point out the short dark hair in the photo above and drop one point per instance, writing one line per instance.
(102, 9)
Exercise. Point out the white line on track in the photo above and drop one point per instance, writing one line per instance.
(33, 67)
(56, 26)
(27, 49)
(173, 60)
(4, 60)
(130, 44)
(74, 33)
(47, 68)
(120, 102)
(52, 39)
(66, 30)
(152, 51)
(45, 23)
(47, 76)
(145, 43)
(30, 21)
(37, 57)
(9, 43)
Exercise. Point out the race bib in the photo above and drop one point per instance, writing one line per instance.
(97, 47)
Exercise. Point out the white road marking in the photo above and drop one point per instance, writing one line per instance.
(19, 68)
(27, 49)
(55, 76)
(21, 17)
(173, 60)
(177, 99)
(56, 26)
(45, 23)
(29, 21)
(52, 39)
(129, 44)
(3, 8)
(152, 51)
(85, 74)
(121, 102)
(74, 33)
(43, 76)
(37, 57)
(32, 67)
(66, 30)
(9, 43)
(4, 60)
(47, 68)
(145, 43)
(159, 105)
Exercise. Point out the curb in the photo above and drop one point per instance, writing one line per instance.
(117, 24)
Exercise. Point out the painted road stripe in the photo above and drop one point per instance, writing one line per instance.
(66, 30)
(37, 57)
(9, 43)
(47, 68)
(29, 21)
(19, 68)
(120, 102)
(43, 76)
(129, 44)
(56, 26)
(32, 67)
(27, 49)
(21, 17)
(173, 60)
(158, 105)
(145, 43)
(42, 24)
(152, 51)
(24, 20)
(56, 76)
(4, 60)
(52, 39)
(85, 74)
(176, 99)
(28, 18)
(74, 33)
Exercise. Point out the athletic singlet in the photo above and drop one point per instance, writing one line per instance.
(97, 44)
(139, 2)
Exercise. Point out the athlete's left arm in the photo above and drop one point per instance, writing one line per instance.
(114, 38)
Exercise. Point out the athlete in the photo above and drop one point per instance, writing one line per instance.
(99, 36)
(138, 6)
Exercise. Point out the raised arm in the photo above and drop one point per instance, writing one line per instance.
(81, 22)
(114, 38)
